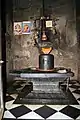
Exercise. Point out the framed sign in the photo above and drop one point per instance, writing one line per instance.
(17, 28)
(26, 27)
(49, 23)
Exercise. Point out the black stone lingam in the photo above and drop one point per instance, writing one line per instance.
(46, 62)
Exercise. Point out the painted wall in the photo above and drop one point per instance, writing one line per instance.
(22, 53)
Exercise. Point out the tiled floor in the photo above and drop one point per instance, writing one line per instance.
(41, 112)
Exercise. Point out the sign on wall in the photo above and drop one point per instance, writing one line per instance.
(49, 23)
(24, 27)
(17, 28)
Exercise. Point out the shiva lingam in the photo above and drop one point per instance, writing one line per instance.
(42, 40)
(46, 60)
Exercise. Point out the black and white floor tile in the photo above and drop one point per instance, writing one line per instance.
(42, 112)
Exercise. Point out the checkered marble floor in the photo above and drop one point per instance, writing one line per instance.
(42, 112)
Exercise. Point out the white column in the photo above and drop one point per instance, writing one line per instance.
(1, 92)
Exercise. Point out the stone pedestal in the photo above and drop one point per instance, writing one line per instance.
(46, 85)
